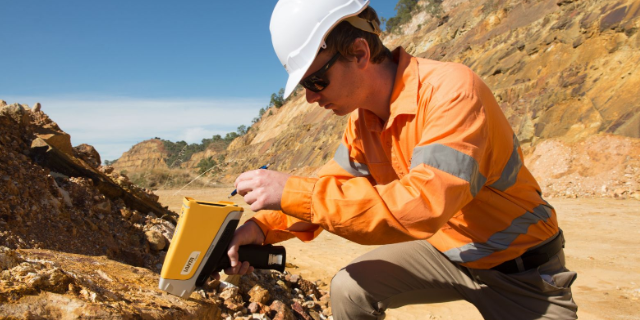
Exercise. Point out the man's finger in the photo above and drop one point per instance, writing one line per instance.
(244, 187)
(244, 267)
(243, 177)
(233, 254)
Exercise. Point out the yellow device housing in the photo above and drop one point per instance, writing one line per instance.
(200, 227)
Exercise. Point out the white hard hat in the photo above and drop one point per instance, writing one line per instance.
(299, 27)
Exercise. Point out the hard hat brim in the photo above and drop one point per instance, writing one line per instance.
(294, 79)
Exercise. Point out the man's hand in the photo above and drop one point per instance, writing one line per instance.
(248, 233)
(262, 189)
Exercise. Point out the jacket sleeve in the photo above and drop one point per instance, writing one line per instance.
(445, 175)
(278, 226)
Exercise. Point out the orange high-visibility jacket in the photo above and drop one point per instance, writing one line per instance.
(446, 167)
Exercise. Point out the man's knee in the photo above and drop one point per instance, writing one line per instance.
(343, 285)
(349, 300)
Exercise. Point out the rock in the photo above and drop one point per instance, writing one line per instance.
(17, 112)
(232, 299)
(259, 294)
(103, 207)
(46, 290)
(254, 307)
(88, 154)
(324, 301)
(230, 292)
(281, 311)
(136, 216)
(123, 181)
(299, 310)
(156, 240)
(36, 107)
(2, 103)
(56, 139)
(8, 258)
(126, 212)
(308, 287)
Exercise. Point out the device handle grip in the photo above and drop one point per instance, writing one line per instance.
(259, 257)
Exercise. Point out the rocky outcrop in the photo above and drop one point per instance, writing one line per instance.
(79, 240)
(51, 199)
(146, 155)
(559, 69)
(562, 71)
(298, 138)
(45, 284)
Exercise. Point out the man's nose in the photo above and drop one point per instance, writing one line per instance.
(312, 97)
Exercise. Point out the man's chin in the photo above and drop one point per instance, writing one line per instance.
(339, 112)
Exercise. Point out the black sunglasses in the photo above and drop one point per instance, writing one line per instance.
(316, 81)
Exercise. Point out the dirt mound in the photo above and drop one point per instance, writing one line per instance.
(78, 239)
(62, 210)
(599, 166)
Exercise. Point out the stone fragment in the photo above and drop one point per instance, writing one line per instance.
(229, 292)
(17, 112)
(36, 107)
(3, 103)
(308, 287)
(126, 212)
(156, 240)
(281, 311)
(88, 154)
(299, 310)
(315, 315)
(259, 294)
(8, 258)
(103, 207)
(254, 307)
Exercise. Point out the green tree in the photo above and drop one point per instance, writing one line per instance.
(242, 130)
(405, 9)
(230, 136)
(277, 100)
(206, 164)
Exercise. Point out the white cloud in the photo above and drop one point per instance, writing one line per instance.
(114, 124)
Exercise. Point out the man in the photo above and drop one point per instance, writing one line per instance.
(428, 166)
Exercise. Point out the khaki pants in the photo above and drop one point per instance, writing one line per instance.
(415, 272)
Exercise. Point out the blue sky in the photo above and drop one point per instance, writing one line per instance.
(115, 73)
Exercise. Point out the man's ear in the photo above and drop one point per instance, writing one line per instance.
(361, 52)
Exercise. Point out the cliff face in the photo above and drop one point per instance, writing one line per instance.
(562, 71)
(559, 68)
(298, 138)
(146, 155)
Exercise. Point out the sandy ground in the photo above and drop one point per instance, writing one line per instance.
(603, 236)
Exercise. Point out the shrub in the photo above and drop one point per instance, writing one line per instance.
(405, 9)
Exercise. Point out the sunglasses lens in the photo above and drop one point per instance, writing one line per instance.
(315, 84)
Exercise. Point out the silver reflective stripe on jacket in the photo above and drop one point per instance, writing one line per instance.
(510, 172)
(354, 168)
(451, 161)
(500, 240)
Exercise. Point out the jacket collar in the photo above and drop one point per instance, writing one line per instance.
(404, 97)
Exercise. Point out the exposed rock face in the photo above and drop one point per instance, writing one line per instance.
(56, 285)
(146, 155)
(563, 71)
(560, 69)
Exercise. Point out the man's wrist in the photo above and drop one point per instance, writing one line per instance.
(256, 225)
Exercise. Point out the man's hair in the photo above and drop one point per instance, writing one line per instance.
(341, 38)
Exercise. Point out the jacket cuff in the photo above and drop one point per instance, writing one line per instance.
(269, 222)
(296, 197)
